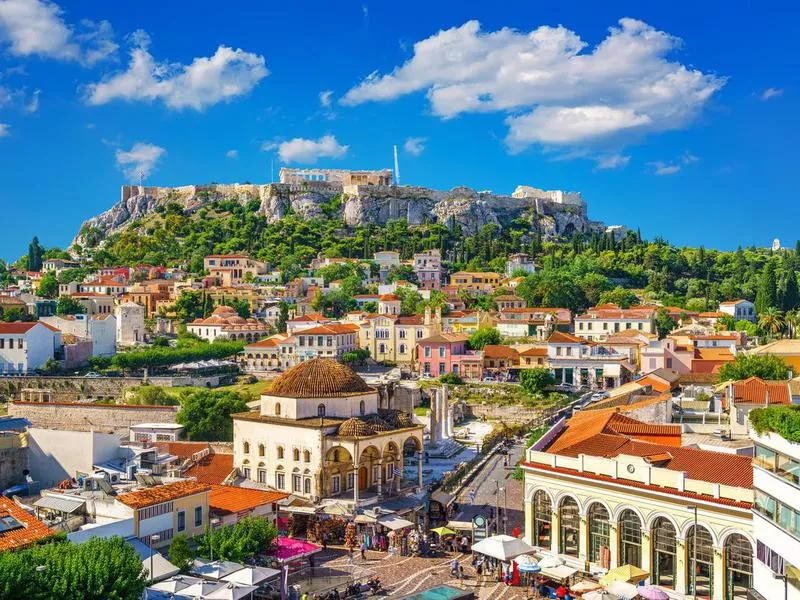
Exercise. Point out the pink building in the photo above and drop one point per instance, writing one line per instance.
(428, 269)
(447, 353)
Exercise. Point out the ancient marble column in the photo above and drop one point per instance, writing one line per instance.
(434, 418)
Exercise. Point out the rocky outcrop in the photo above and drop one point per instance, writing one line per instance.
(359, 205)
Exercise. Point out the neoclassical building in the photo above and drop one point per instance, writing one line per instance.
(602, 493)
(225, 323)
(319, 434)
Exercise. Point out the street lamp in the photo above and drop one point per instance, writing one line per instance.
(212, 523)
(694, 553)
(785, 584)
(153, 538)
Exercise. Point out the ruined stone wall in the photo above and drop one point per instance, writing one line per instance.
(102, 418)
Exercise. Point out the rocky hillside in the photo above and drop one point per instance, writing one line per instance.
(355, 205)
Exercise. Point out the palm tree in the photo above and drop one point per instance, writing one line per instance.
(771, 320)
(792, 320)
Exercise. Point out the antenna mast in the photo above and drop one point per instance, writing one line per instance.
(396, 167)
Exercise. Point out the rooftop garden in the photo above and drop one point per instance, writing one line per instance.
(781, 419)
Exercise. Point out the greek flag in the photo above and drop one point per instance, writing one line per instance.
(395, 471)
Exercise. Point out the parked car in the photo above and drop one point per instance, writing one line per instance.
(93, 374)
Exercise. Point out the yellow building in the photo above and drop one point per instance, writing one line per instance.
(788, 350)
(477, 281)
(394, 337)
(220, 295)
(607, 493)
(167, 510)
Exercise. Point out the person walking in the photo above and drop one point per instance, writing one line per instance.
(364, 551)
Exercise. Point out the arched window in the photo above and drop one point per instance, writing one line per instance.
(542, 519)
(280, 452)
(362, 407)
(295, 455)
(599, 532)
(738, 567)
(277, 409)
(307, 485)
(336, 455)
(261, 450)
(664, 555)
(306, 456)
(569, 535)
(320, 410)
(246, 447)
(630, 539)
(700, 561)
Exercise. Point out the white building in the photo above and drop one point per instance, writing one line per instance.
(25, 347)
(520, 262)
(776, 516)
(319, 434)
(100, 329)
(130, 324)
(739, 309)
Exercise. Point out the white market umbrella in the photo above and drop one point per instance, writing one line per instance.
(251, 575)
(502, 547)
(231, 591)
(201, 589)
(549, 561)
(176, 584)
(599, 595)
(623, 589)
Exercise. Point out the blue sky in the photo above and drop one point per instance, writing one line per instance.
(678, 118)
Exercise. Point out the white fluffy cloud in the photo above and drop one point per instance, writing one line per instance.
(325, 98)
(37, 27)
(222, 77)
(611, 162)
(141, 158)
(672, 167)
(556, 91)
(232, 154)
(415, 146)
(4, 130)
(306, 151)
(770, 93)
(33, 104)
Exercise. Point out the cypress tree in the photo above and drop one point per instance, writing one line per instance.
(790, 296)
(767, 293)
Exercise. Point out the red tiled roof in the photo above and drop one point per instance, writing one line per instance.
(389, 298)
(23, 326)
(732, 302)
(755, 390)
(313, 317)
(162, 493)
(181, 449)
(330, 329)
(32, 530)
(639, 485)
(534, 351)
(410, 320)
(229, 499)
(499, 351)
(560, 337)
(703, 465)
(212, 469)
(444, 338)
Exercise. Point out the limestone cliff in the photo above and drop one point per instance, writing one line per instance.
(360, 204)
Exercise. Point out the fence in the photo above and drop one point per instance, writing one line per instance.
(319, 580)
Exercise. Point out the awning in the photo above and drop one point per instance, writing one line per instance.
(305, 510)
(442, 498)
(460, 525)
(394, 522)
(65, 505)
(560, 573)
(365, 519)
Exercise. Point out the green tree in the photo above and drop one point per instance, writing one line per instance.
(206, 415)
(180, 553)
(790, 295)
(767, 294)
(664, 323)
(765, 366)
(620, 296)
(67, 305)
(535, 381)
(283, 316)
(35, 252)
(48, 285)
(771, 320)
(189, 306)
(239, 541)
(484, 336)
(16, 313)
(150, 395)
(99, 569)
(401, 273)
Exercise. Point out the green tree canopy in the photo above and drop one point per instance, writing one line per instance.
(48, 285)
(535, 381)
(664, 323)
(484, 336)
(765, 366)
(180, 553)
(239, 541)
(206, 415)
(67, 305)
(620, 296)
(100, 569)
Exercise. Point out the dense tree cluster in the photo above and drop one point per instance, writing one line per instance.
(239, 541)
(205, 414)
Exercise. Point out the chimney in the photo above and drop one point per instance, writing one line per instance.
(427, 315)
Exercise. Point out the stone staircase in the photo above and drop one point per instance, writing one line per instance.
(445, 449)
